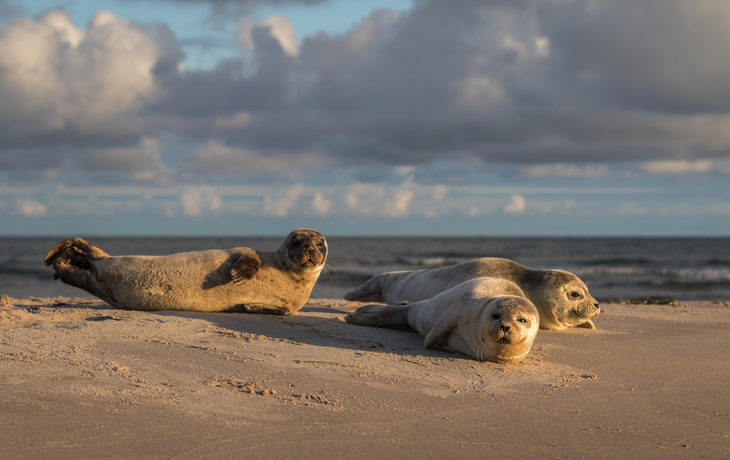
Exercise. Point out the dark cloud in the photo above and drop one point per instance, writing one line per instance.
(508, 82)
(658, 55)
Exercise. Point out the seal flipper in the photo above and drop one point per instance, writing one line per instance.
(446, 322)
(72, 260)
(245, 267)
(370, 291)
(587, 325)
(380, 315)
(81, 246)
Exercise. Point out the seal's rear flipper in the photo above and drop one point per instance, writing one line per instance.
(380, 315)
(71, 260)
(370, 291)
(82, 247)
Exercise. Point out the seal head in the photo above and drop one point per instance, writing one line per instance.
(304, 251)
(570, 304)
(508, 327)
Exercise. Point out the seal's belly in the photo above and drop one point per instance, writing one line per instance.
(198, 281)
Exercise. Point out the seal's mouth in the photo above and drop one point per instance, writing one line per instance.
(309, 263)
(508, 339)
(306, 258)
(586, 311)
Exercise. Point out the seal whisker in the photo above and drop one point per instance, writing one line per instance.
(327, 268)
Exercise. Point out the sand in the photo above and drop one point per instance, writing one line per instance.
(79, 379)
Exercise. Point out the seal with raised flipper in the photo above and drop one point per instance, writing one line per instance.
(485, 318)
(238, 279)
(561, 298)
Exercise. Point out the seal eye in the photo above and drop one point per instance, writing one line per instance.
(575, 295)
(495, 316)
(522, 320)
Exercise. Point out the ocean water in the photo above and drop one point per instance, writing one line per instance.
(613, 268)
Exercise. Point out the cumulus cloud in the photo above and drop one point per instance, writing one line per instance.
(279, 27)
(516, 205)
(57, 80)
(320, 204)
(279, 203)
(561, 88)
(397, 204)
(676, 166)
(196, 201)
(30, 207)
(567, 170)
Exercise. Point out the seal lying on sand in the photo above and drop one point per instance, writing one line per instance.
(238, 279)
(561, 297)
(485, 318)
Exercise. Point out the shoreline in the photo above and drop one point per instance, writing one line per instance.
(81, 379)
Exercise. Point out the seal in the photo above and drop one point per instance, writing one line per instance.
(485, 318)
(238, 279)
(561, 298)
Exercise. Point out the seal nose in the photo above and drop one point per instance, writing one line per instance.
(504, 327)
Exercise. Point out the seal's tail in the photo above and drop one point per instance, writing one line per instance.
(72, 254)
(379, 315)
(370, 291)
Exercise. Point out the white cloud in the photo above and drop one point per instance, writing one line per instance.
(567, 170)
(506, 82)
(396, 205)
(320, 204)
(196, 201)
(516, 205)
(57, 78)
(676, 166)
(279, 27)
(280, 203)
(439, 192)
(30, 207)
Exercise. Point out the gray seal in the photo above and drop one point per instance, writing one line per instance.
(485, 318)
(561, 298)
(238, 279)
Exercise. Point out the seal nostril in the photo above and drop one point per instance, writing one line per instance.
(505, 328)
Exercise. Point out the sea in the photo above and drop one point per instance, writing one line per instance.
(615, 269)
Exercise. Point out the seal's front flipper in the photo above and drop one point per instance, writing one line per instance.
(379, 315)
(587, 325)
(245, 267)
(370, 291)
(446, 322)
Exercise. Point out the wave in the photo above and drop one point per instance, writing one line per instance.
(718, 262)
(20, 271)
(431, 262)
(619, 261)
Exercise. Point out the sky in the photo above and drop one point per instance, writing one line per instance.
(367, 118)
